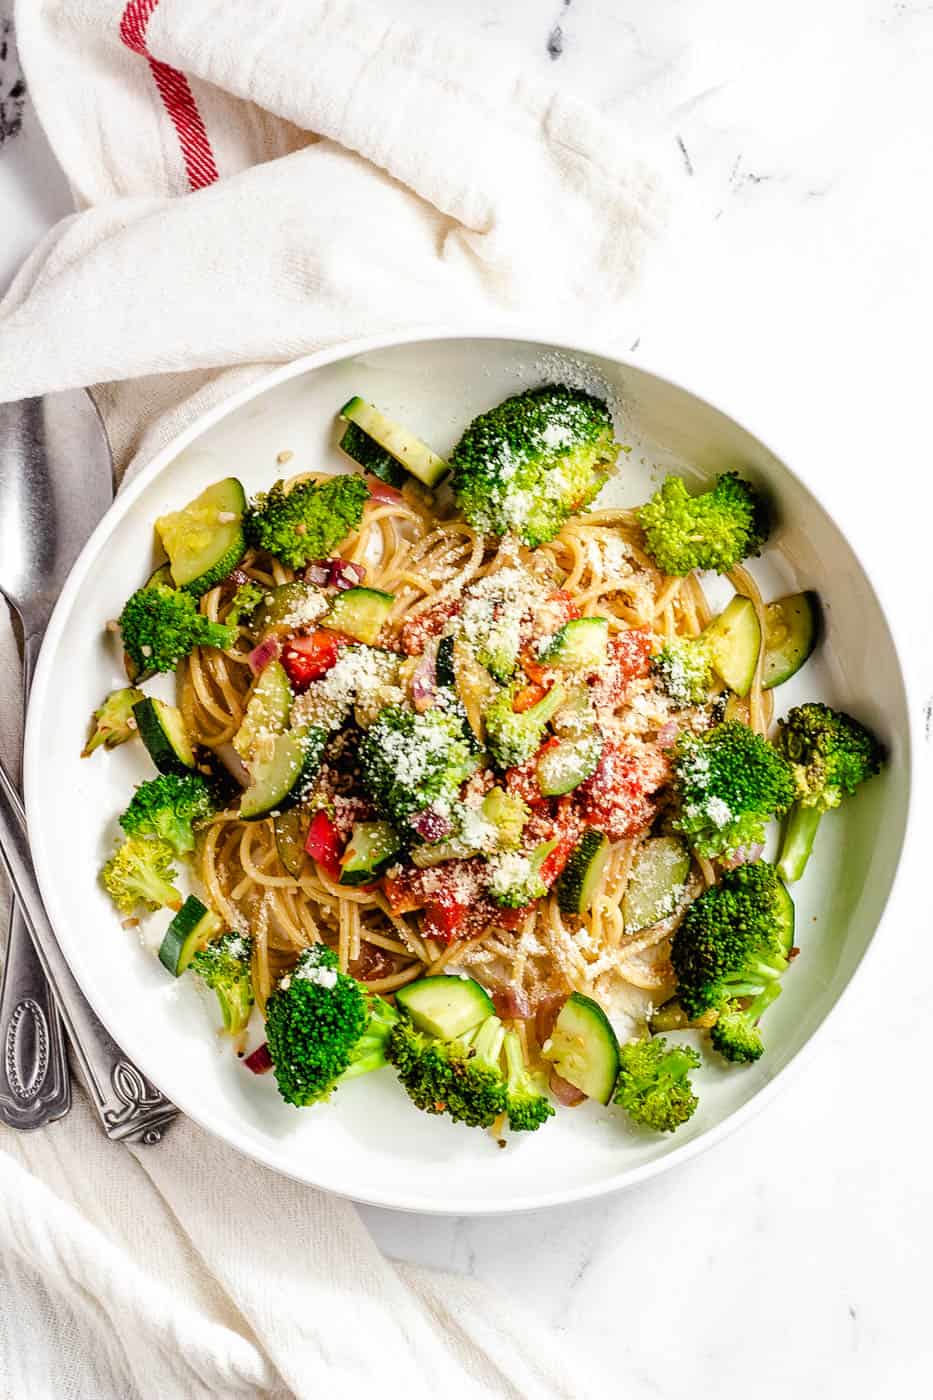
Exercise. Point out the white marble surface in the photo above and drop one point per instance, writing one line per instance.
(793, 1258)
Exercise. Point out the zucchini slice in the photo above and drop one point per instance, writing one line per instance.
(192, 927)
(413, 454)
(290, 829)
(568, 763)
(267, 709)
(583, 873)
(444, 668)
(580, 645)
(367, 453)
(372, 846)
(163, 731)
(659, 873)
(281, 781)
(205, 540)
(359, 613)
(583, 1048)
(447, 1007)
(286, 608)
(734, 639)
(792, 626)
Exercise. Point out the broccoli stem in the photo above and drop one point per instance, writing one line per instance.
(799, 835)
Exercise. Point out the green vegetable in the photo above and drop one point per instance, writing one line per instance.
(284, 778)
(321, 1026)
(729, 781)
(461, 1078)
(359, 613)
(583, 1048)
(305, 521)
(715, 530)
(656, 883)
(192, 927)
(367, 453)
(683, 669)
(830, 755)
(654, 1083)
(267, 710)
(512, 738)
(205, 539)
(113, 722)
(162, 730)
(729, 954)
(583, 873)
(792, 627)
(580, 645)
(528, 1105)
(244, 602)
(168, 807)
(140, 872)
(734, 641)
(515, 879)
(371, 848)
(160, 626)
(445, 1006)
(525, 466)
(411, 762)
(224, 965)
(413, 454)
(566, 764)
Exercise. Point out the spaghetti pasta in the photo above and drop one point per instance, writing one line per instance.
(600, 563)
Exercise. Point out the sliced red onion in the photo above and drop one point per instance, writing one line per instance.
(344, 575)
(432, 825)
(667, 734)
(546, 1013)
(259, 657)
(335, 573)
(564, 1092)
(424, 683)
(260, 1061)
(511, 1003)
(382, 491)
(234, 764)
(239, 577)
(745, 855)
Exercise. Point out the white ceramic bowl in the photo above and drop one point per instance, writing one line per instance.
(368, 1142)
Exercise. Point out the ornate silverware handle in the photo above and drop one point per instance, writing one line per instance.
(130, 1108)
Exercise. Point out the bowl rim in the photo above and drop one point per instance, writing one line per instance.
(544, 340)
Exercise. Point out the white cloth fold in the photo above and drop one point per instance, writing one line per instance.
(257, 179)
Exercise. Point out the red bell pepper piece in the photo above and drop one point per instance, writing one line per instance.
(308, 658)
(324, 844)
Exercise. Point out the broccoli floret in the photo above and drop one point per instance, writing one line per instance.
(305, 521)
(161, 625)
(411, 763)
(113, 723)
(730, 781)
(461, 1078)
(528, 1105)
(654, 1083)
(830, 754)
(141, 872)
(245, 601)
(684, 671)
(515, 878)
(513, 738)
(321, 1027)
(735, 1033)
(715, 530)
(729, 947)
(168, 806)
(224, 965)
(526, 465)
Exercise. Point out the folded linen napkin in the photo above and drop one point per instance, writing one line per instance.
(257, 179)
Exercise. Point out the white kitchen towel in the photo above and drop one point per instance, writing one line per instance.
(256, 179)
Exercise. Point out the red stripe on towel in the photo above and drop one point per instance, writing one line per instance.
(176, 95)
